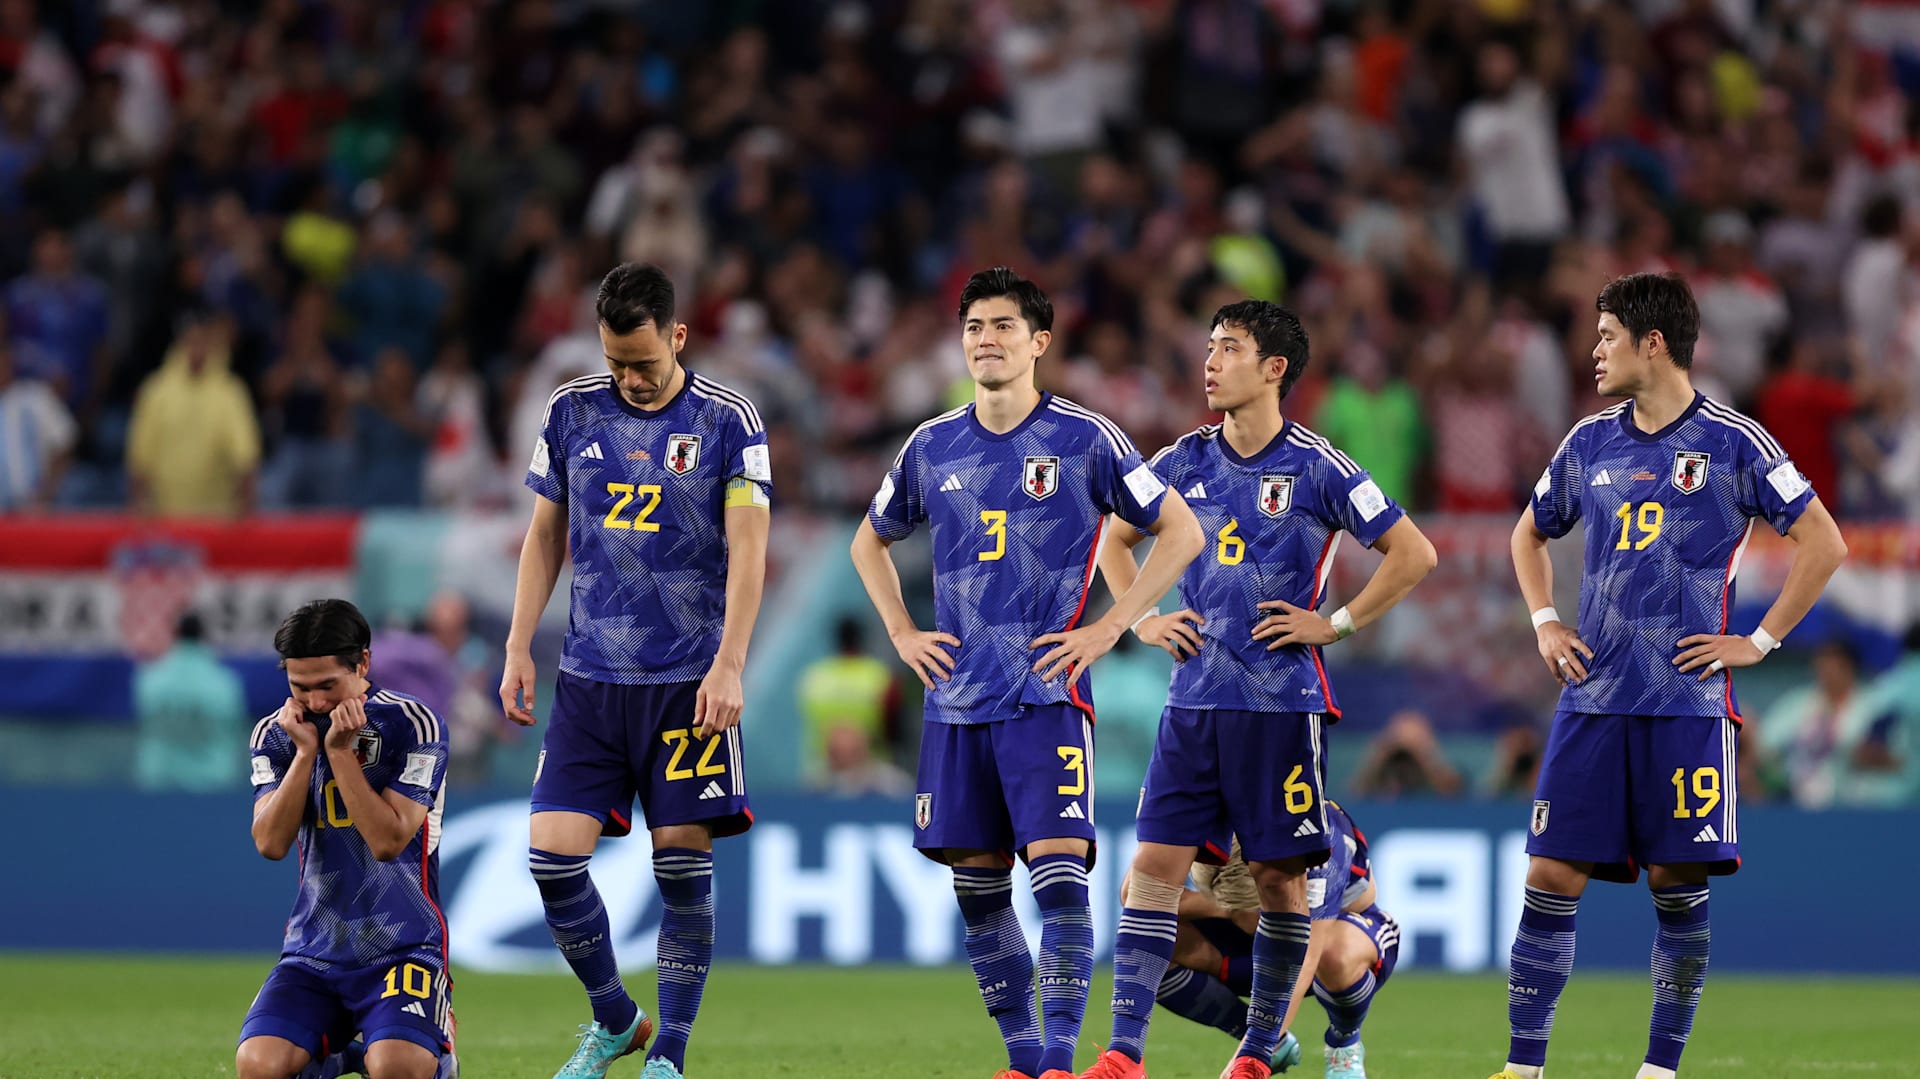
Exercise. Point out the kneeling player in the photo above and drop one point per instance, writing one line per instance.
(354, 773)
(1353, 949)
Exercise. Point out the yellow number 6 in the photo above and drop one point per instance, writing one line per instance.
(1299, 793)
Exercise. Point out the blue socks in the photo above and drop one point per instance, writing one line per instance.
(578, 922)
(1141, 951)
(997, 949)
(1542, 960)
(1346, 1009)
(1204, 999)
(1279, 951)
(685, 878)
(1679, 970)
(1066, 953)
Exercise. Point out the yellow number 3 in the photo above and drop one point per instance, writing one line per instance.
(996, 522)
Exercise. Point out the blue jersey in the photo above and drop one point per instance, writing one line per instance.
(1667, 517)
(352, 909)
(1015, 521)
(645, 494)
(1272, 522)
(1340, 881)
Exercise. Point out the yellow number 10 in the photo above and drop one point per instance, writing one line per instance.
(1651, 514)
(414, 978)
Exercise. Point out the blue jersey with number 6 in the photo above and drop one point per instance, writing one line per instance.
(1667, 516)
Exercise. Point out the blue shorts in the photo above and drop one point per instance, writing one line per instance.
(1629, 791)
(1235, 946)
(608, 742)
(1217, 773)
(1000, 786)
(322, 1010)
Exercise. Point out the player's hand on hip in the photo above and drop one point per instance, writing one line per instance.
(293, 719)
(1712, 653)
(1292, 625)
(921, 649)
(717, 703)
(1074, 650)
(1177, 633)
(349, 717)
(516, 689)
(1564, 653)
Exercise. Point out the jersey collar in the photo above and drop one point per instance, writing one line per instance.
(1259, 455)
(1626, 421)
(1038, 411)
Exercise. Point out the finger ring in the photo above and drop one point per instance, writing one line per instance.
(1563, 661)
(1716, 667)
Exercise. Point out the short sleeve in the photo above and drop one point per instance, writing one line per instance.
(1767, 485)
(423, 767)
(749, 475)
(1173, 465)
(272, 755)
(897, 509)
(547, 471)
(1123, 483)
(1556, 498)
(1356, 503)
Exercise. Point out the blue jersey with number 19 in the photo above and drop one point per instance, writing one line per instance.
(646, 495)
(1016, 525)
(1668, 514)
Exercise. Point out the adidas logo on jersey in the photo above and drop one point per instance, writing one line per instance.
(1073, 812)
(1602, 480)
(415, 1009)
(1707, 835)
(1198, 490)
(1307, 827)
(953, 482)
(713, 791)
(593, 453)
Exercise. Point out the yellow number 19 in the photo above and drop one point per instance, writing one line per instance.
(1651, 514)
(1706, 787)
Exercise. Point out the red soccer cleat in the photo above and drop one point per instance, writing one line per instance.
(1246, 1068)
(1113, 1064)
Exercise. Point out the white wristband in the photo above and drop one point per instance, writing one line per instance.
(1544, 615)
(1136, 622)
(1343, 626)
(1764, 641)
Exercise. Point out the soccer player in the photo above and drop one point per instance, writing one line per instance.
(658, 482)
(1239, 747)
(1014, 489)
(1354, 949)
(354, 773)
(1639, 767)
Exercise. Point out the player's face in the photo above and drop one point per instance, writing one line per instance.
(321, 683)
(1001, 348)
(1237, 375)
(1619, 366)
(645, 363)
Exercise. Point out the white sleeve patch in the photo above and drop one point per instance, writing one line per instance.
(1143, 485)
(1316, 892)
(263, 772)
(1368, 500)
(759, 464)
(1546, 483)
(885, 498)
(540, 463)
(419, 769)
(1788, 481)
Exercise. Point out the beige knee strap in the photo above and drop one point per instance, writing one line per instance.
(1151, 893)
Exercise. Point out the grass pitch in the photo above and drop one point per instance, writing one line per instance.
(96, 1017)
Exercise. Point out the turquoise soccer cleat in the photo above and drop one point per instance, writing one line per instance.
(1287, 1053)
(1347, 1062)
(660, 1068)
(600, 1047)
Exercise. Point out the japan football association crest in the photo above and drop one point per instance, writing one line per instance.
(1690, 470)
(1540, 816)
(366, 747)
(1276, 494)
(683, 453)
(922, 810)
(1040, 477)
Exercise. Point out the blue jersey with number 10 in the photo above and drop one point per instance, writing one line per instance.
(1667, 516)
(1016, 525)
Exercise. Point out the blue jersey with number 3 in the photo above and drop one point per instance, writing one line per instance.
(352, 909)
(1016, 524)
(1272, 522)
(645, 494)
(1667, 515)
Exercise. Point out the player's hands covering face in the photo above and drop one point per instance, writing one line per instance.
(349, 717)
(293, 719)
(1177, 633)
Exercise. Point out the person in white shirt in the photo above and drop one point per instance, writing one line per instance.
(37, 435)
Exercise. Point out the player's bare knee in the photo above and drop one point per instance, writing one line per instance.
(1558, 877)
(1346, 957)
(392, 1058)
(1282, 884)
(1162, 863)
(1676, 876)
(269, 1058)
(1040, 848)
(559, 832)
(683, 837)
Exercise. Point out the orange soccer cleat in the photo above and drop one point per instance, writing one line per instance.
(1009, 1073)
(1247, 1068)
(1113, 1064)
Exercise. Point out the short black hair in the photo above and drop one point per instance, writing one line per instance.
(848, 635)
(634, 294)
(1276, 332)
(1644, 302)
(1881, 217)
(324, 627)
(190, 628)
(1000, 281)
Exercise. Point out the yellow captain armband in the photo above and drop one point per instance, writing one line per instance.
(742, 491)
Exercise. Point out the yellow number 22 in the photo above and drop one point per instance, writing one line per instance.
(624, 493)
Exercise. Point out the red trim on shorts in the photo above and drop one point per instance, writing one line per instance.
(426, 889)
(1726, 592)
(1326, 687)
(620, 820)
(1086, 586)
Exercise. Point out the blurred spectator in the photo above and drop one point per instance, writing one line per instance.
(1834, 745)
(1405, 759)
(851, 770)
(1874, 287)
(303, 397)
(474, 723)
(193, 445)
(192, 718)
(37, 435)
(62, 315)
(1516, 763)
(391, 299)
(460, 465)
(1507, 140)
(1802, 404)
(850, 697)
(1374, 417)
(1741, 312)
(391, 434)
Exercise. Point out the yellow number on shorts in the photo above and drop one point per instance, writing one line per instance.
(1651, 514)
(996, 522)
(680, 740)
(335, 805)
(1076, 762)
(1299, 793)
(1232, 548)
(1706, 787)
(625, 493)
(403, 977)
